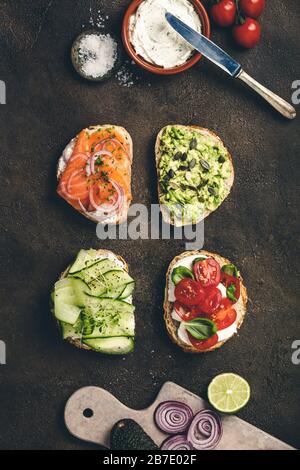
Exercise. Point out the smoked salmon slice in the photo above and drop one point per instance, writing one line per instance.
(94, 173)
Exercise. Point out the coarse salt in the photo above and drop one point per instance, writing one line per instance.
(97, 54)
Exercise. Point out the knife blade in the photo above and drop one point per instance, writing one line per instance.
(206, 47)
(215, 54)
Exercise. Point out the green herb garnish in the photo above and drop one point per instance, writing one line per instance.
(230, 292)
(230, 269)
(180, 273)
(201, 328)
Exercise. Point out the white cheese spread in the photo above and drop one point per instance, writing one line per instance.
(154, 39)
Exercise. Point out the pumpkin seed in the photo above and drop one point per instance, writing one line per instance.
(171, 174)
(211, 191)
(221, 159)
(183, 168)
(177, 156)
(193, 144)
(183, 157)
(205, 165)
(192, 164)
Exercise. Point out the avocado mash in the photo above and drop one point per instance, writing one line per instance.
(193, 169)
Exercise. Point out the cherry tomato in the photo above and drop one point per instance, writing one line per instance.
(186, 313)
(189, 292)
(223, 13)
(225, 315)
(207, 272)
(211, 300)
(252, 8)
(227, 281)
(204, 344)
(248, 33)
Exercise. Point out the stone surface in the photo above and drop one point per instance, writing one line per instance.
(256, 227)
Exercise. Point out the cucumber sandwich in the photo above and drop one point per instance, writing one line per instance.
(92, 303)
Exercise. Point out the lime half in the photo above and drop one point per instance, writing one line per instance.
(228, 393)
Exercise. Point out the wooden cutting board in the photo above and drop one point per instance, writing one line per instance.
(106, 410)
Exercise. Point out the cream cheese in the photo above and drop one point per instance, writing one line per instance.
(154, 39)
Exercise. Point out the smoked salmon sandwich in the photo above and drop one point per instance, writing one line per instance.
(94, 173)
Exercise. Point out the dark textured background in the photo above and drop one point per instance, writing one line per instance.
(256, 227)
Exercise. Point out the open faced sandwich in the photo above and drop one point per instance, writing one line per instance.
(92, 303)
(205, 301)
(195, 173)
(94, 173)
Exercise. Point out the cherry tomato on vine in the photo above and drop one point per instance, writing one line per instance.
(247, 34)
(252, 8)
(223, 12)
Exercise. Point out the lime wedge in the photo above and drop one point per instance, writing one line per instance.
(228, 393)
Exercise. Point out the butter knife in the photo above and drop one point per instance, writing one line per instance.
(219, 57)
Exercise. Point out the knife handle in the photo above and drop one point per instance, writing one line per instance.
(274, 100)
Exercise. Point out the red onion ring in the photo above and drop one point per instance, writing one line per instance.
(173, 417)
(77, 155)
(75, 173)
(177, 442)
(109, 210)
(114, 141)
(205, 431)
(93, 158)
(82, 206)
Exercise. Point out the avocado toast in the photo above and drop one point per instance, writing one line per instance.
(92, 303)
(195, 173)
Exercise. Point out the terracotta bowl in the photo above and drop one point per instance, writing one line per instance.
(155, 68)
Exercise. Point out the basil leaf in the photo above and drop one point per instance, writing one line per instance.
(201, 328)
(230, 269)
(200, 258)
(180, 273)
(230, 291)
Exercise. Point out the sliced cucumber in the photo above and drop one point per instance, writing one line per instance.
(66, 312)
(68, 331)
(110, 325)
(84, 259)
(120, 345)
(97, 269)
(65, 302)
(115, 281)
(97, 306)
(129, 288)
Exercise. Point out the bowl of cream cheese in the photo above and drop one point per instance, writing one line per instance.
(153, 44)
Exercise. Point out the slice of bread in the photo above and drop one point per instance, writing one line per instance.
(172, 325)
(202, 131)
(74, 341)
(122, 216)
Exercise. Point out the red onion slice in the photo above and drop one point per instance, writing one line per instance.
(116, 143)
(173, 417)
(108, 210)
(93, 158)
(177, 442)
(205, 431)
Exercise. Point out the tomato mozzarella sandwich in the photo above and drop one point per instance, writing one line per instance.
(205, 301)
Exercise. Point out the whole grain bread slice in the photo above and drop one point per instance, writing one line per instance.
(229, 182)
(172, 325)
(122, 215)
